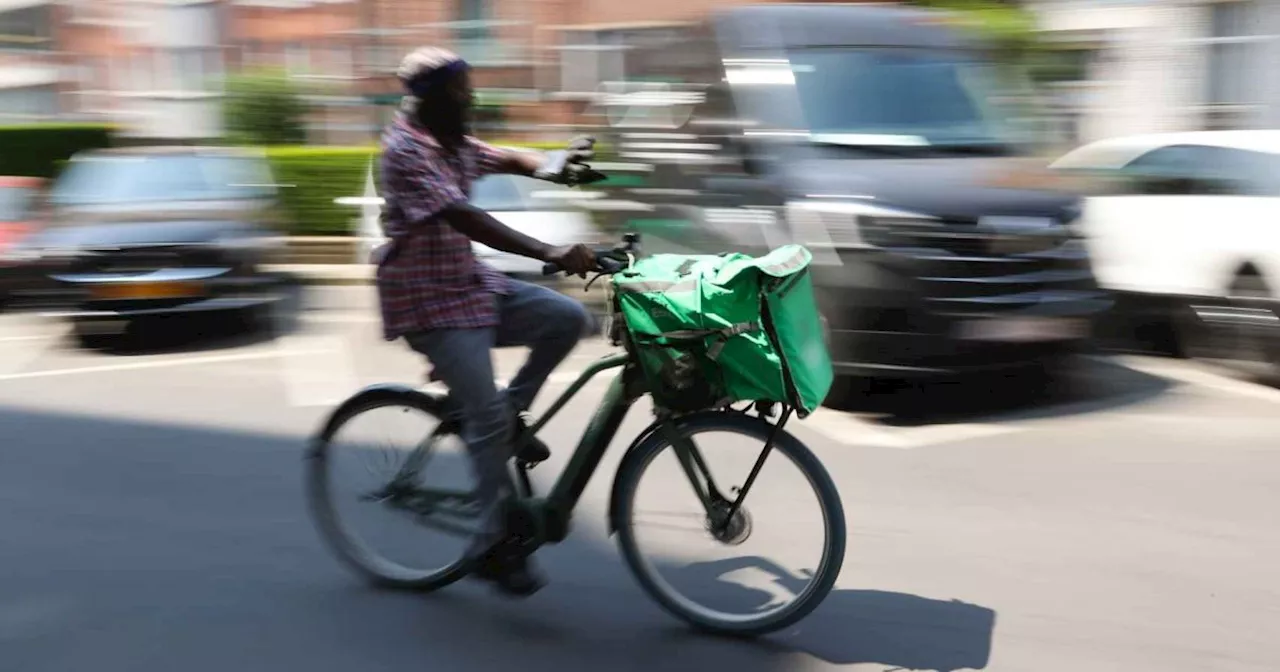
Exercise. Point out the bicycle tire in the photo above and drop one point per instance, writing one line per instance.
(638, 459)
(347, 550)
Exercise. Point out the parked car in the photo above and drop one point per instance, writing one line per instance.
(867, 133)
(1183, 227)
(143, 232)
(545, 211)
(18, 197)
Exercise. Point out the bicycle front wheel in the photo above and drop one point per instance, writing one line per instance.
(742, 570)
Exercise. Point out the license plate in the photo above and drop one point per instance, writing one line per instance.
(1023, 329)
(147, 290)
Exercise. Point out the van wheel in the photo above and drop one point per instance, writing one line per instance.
(1260, 344)
(1255, 346)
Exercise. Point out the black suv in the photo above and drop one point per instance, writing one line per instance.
(867, 133)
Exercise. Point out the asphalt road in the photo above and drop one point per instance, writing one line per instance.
(152, 517)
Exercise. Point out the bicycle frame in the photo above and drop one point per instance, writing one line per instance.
(551, 515)
(553, 512)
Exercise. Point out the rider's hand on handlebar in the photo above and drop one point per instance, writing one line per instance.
(573, 259)
(568, 166)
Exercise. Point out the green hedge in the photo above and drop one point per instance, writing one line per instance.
(38, 150)
(315, 176)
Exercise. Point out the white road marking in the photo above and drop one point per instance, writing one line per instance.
(157, 363)
(340, 318)
(28, 337)
(323, 377)
(849, 429)
(23, 340)
(1194, 374)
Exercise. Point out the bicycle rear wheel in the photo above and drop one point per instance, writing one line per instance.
(764, 586)
(425, 485)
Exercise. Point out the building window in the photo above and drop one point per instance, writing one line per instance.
(471, 16)
(27, 29)
(339, 64)
(589, 58)
(1231, 46)
(381, 58)
(28, 103)
(188, 70)
(297, 59)
(473, 36)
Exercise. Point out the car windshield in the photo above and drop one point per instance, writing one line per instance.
(15, 203)
(517, 192)
(897, 97)
(496, 192)
(124, 180)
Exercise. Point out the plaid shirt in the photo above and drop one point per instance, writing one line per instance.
(428, 277)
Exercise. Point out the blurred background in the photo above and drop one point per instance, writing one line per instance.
(1044, 247)
(965, 113)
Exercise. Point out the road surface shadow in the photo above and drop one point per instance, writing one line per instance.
(143, 546)
(852, 626)
(1088, 384)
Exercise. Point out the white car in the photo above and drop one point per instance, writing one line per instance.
(1192, 219)
(545, 211)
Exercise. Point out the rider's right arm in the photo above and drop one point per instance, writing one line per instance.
(430, 197)
(481, 227)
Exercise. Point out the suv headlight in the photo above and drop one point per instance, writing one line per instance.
(827, 227)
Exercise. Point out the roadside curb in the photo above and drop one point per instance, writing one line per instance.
(362, 275)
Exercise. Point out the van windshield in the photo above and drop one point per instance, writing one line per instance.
(898, 97)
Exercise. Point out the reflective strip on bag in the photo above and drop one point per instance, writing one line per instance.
(657, 286)
(795, 261)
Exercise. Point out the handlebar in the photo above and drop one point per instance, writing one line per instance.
(609, 260)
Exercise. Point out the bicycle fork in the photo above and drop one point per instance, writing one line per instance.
(704, 485)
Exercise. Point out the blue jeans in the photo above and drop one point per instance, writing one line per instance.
(547, 322)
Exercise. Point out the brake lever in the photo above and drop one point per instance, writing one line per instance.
(589, 176)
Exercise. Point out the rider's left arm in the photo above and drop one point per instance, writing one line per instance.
(503, 160)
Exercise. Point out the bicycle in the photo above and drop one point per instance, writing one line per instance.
(546, 520)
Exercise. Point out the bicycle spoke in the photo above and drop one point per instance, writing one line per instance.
(719, 575)
(695, 523)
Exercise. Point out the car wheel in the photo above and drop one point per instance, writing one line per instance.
(1254, 344)
(94, 340)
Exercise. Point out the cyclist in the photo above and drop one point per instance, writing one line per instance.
(454, 308)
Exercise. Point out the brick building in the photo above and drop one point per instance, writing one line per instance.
(154, 65)
(31, 76)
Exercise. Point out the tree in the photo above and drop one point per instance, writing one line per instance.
(264, 107)
(1008, 28)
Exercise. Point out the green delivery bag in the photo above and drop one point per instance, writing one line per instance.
(710, 330)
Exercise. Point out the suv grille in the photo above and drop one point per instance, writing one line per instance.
(966, 271)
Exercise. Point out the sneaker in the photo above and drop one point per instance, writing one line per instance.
(512, 575)
(534, 450)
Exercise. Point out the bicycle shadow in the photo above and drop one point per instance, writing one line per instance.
(898, 630)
